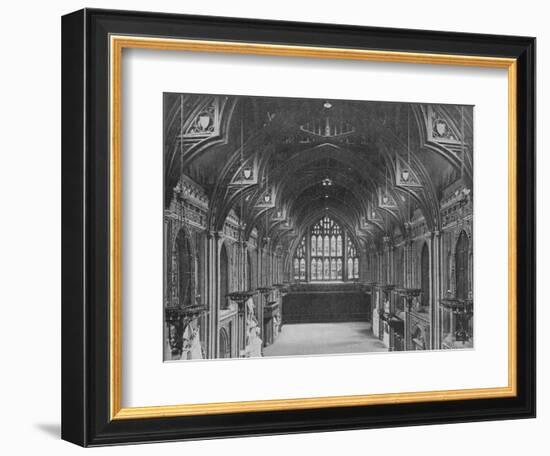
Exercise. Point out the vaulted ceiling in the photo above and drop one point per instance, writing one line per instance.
(369, 164)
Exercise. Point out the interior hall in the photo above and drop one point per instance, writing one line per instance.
(311, 226)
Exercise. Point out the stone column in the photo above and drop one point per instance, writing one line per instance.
(269, 266)
(211, 298)
(406, 326)
(308, 256)
(410, 260)
(345, 256)
(435, 288)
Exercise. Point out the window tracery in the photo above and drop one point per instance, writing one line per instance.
(329, 248)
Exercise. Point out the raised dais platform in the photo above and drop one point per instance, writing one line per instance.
(326, 302)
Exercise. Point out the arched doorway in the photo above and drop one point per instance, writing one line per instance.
(224, 277)
(185, 266)
(461, 266)
(425, 275)
(225, 344)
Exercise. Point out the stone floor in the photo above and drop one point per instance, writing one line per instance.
(325, 338)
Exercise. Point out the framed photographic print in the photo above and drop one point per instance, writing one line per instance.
(275, 227)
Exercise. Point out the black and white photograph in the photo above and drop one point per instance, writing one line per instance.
(300, 227)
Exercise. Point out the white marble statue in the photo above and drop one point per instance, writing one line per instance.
(253, 347)
(254, 343)
(276, 325)
(195, 350)
(186, 342)
(192, 348)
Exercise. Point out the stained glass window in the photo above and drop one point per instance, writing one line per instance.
(333, 269)
(332, 254)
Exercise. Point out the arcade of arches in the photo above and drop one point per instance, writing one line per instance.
(301, 226)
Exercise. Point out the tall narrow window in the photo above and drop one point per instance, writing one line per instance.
(224, 277)
(353, 261)
(300, 261)
(248, 271)
(461, 266)
(326, 249)
(333, 269)
(425, 275)
(182, 267)
(225, 344)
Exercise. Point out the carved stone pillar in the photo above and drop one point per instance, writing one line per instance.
(410, 264)
(212, 295)
(407, 328)
(435, 283)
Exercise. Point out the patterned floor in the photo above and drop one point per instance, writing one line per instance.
(325, 338)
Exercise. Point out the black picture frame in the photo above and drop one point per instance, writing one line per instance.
(85, 228)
